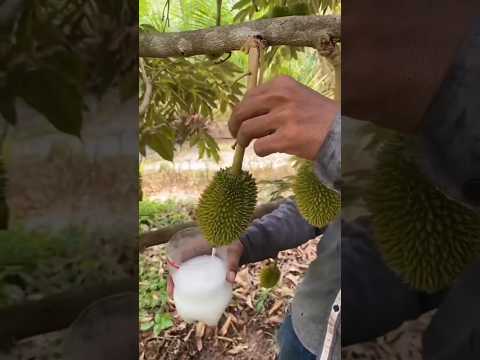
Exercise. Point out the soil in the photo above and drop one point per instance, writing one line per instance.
(246, 331)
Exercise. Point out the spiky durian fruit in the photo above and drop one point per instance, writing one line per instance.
(318, 204)
(422, 235)
(269, 276)
(226, 207)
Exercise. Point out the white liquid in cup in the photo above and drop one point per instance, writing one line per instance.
(201, 291)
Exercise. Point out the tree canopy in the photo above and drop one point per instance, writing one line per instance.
(188, 93)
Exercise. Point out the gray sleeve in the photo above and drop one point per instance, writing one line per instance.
(282, 229)
(328, 162)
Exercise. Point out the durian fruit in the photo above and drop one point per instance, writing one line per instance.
(422, 235)
(269, 276)
(318, 204)
(226, 206)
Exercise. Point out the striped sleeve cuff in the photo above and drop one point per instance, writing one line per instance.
(328, 162)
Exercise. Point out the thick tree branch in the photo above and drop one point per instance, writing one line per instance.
(55, 312)
(148, 89)
(162, 236)
(319, 32)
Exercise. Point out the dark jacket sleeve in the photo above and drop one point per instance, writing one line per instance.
(282, 229)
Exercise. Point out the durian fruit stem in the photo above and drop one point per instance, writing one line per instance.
(253, 62)
(238, 160)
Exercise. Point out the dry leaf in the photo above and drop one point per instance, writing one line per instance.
(277, 305)
(225, 339)
(226, 325)
(237, 349)
(199, 330)
(188, 335)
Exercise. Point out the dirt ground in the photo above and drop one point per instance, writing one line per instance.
(247, 332)
(248, 328)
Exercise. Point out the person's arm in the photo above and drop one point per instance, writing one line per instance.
(285, 228)
(282, 229)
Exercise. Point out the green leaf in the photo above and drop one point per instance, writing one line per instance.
(163, 321)
(58, 99)
(161, 144)
(241, 4)
(147, 326)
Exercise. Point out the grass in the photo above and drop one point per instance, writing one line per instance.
(153, 297)
(154, 215)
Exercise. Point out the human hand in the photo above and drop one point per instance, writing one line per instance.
(284, 116)
(234, 253)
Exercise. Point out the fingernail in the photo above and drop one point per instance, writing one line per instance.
(231, 276)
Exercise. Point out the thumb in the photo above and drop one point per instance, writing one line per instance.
(234, 254)
(231, 276)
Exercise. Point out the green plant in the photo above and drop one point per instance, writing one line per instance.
(153, 298)
(34, 262)
(186, 92)
(154, 214)
(262, 299)
(60, 47)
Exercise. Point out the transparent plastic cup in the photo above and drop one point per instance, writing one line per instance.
(201, 291)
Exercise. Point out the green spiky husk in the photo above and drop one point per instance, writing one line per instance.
(318, 204)
(226, 207)
(269, 276)
(422, 235)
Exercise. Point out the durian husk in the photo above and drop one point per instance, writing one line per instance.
(318, 204)
(226, 207)
(421, 234)
(269, 276)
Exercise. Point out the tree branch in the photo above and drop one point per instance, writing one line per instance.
(55, 312)
(319, 32)
(148, 89)
(162, 236)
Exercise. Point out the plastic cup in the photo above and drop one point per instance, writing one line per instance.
(201, 291)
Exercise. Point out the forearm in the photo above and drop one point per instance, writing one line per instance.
(280, 230)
